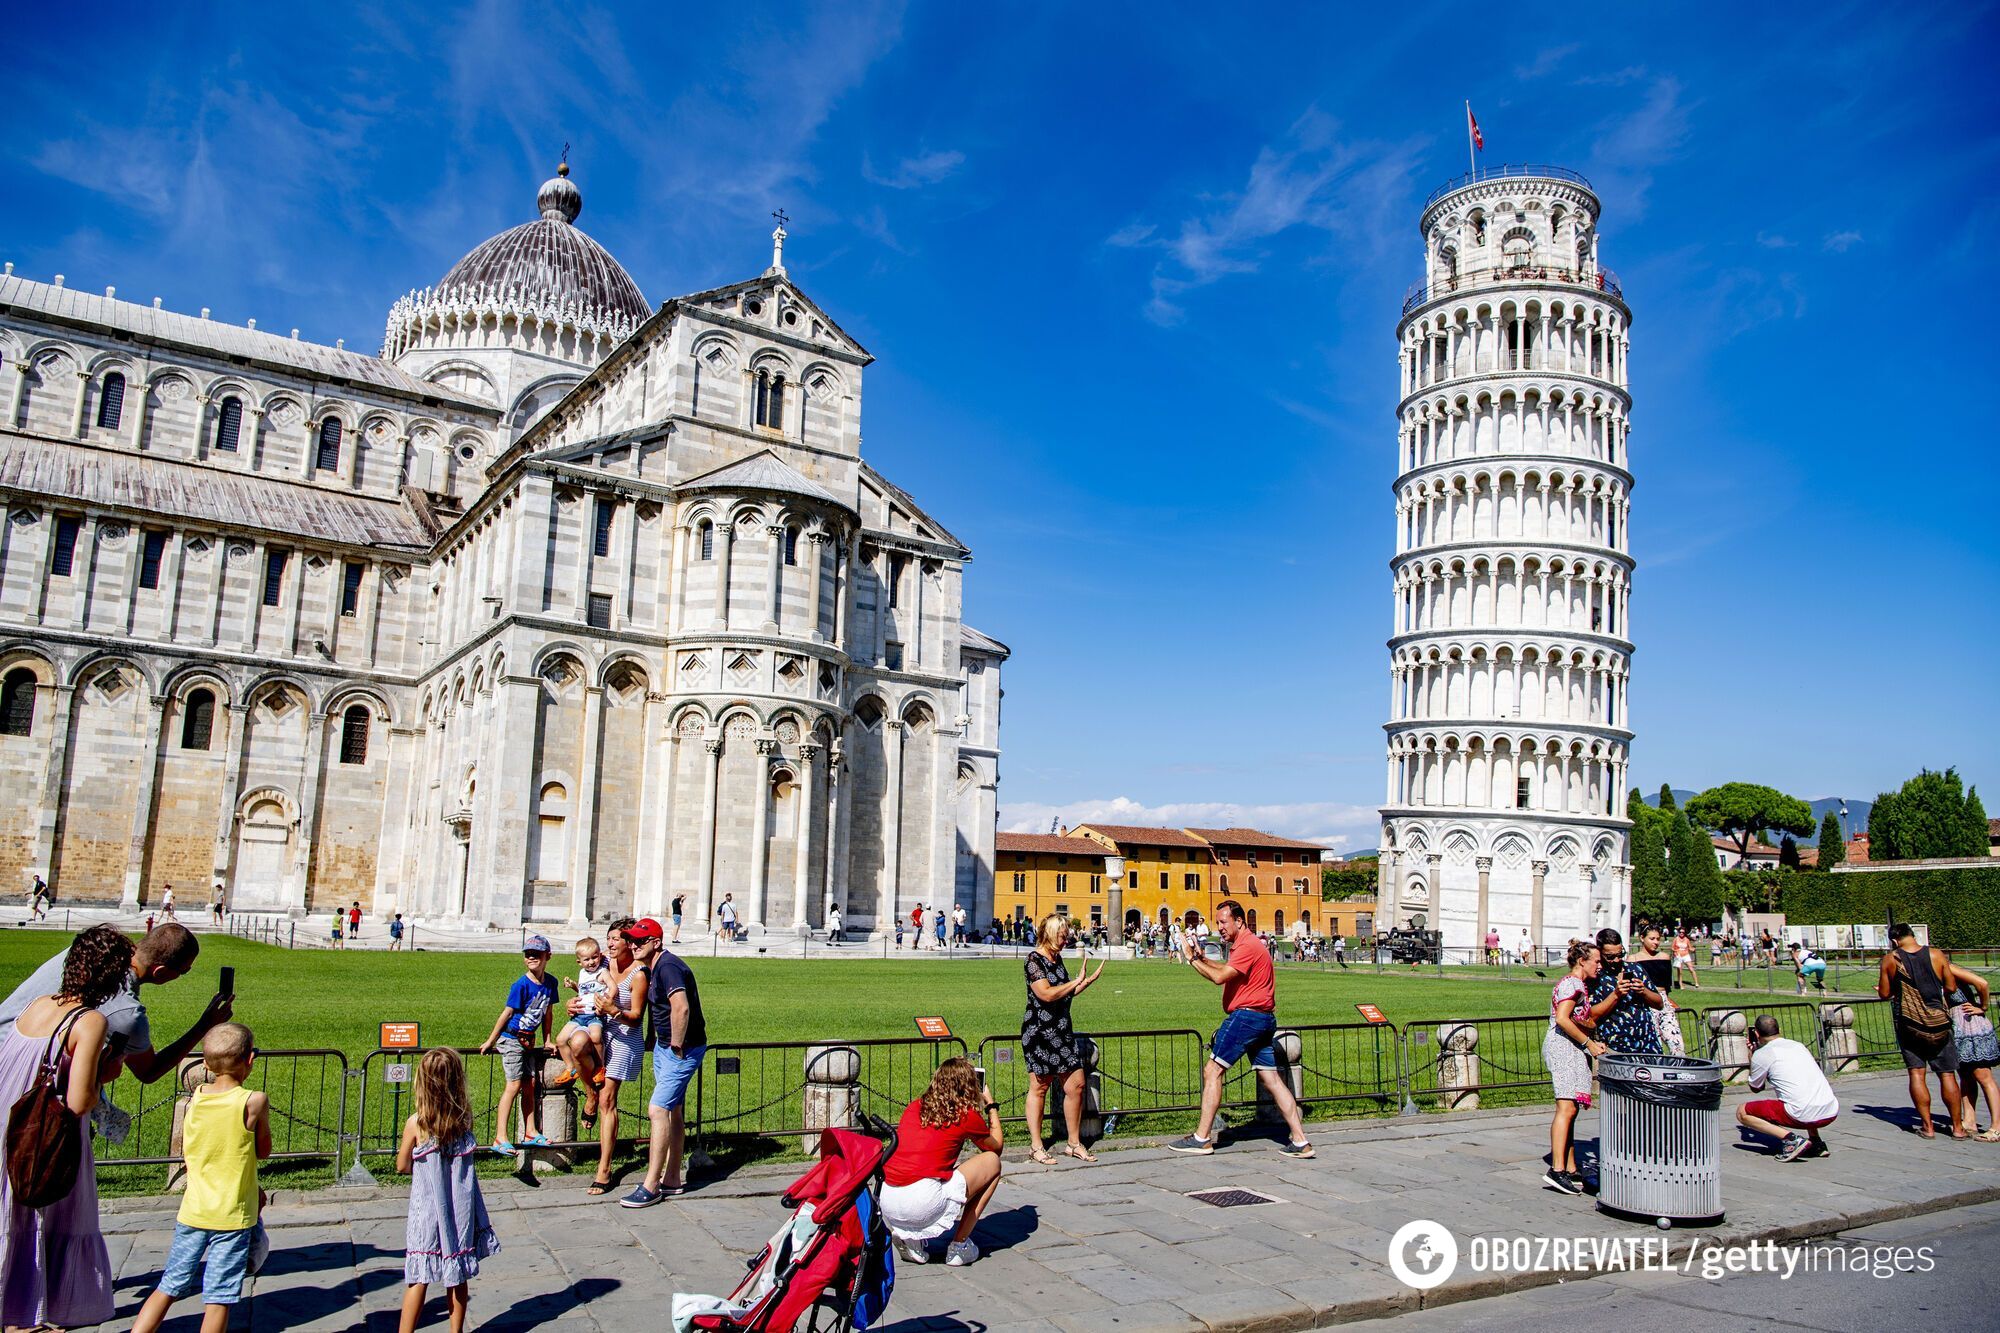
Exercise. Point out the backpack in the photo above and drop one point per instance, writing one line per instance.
(1927, 1025)
(45, 1137)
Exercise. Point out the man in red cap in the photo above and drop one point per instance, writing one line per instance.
(679, 1039)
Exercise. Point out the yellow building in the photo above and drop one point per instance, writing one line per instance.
(1038, 873)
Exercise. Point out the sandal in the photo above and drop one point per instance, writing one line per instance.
(1041, 1155)
(1081, 1154)
(597, 1187)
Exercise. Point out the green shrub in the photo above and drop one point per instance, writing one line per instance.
(1961, 906)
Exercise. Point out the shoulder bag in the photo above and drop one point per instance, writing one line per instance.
(45, 1137)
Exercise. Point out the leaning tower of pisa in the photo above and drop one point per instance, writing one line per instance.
(1508, 729)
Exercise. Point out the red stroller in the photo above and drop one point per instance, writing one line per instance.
(831, 1257)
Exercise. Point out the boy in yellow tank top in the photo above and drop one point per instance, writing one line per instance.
(226, 1133)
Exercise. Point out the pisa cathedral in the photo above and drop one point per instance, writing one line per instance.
(561, 607)
(1510, 661)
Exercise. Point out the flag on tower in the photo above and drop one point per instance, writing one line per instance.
(1472, 127)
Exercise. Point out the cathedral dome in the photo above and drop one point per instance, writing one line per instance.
(550, 261)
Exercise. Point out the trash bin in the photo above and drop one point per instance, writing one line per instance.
(1660, 1137)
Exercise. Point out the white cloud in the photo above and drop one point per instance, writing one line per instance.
(1840, 242)
(1312, 178)
(1343, 827)
(1630, 148)
(1545, 62)
(923, 169)
(1771, 240)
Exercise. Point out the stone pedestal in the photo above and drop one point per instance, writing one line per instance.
(1838, 1039)
(192, 1074)
(832, 1098)
(1090, 1124)
(557, 1109)
(1458, 1066)
(1726, 1029)
(1288, 1049)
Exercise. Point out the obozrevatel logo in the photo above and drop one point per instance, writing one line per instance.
(1422, 1254)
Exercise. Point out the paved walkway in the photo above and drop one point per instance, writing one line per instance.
(1078, 1249)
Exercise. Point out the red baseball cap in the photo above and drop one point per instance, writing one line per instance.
(645, 928)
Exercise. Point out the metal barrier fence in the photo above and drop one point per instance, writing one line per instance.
(301, 1085)
(759, 1090)
(1347, 1065)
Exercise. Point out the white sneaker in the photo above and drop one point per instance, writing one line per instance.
(912, 1251)
(960, 1253)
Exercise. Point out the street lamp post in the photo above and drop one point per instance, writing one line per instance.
(1114, 871)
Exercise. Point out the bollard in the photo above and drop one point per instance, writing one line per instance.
(192, 1074)
(832, 1097)
(1729, 1047)
(1090, 1125)
(557, 1109)
(1288, 1048)
(1458, 1066)
(1838, 1039)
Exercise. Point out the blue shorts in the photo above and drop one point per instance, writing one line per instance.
(221, 1258)
(1246, 1032)
(1815, 968)
(672, 1074)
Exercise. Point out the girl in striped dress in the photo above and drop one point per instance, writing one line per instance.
(448, 1231)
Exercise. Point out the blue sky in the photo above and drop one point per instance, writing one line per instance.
(1132, 274)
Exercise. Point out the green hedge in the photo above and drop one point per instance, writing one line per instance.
(1962, 907)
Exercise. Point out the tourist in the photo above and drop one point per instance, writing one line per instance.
(833, 924)
(1913, 977)
(1525, 947)
(54, 1267)
(448, 1231)
(215, 903)
(38, 895)
(958, 932)
(518, 1034)
(1803, 1102)
(1493, 946)
(164, 955)
(1566, 1051)
(624, 1040)
(396, 929)
(679, 1038)
(1048, 1042)
(1807, 966)
(1658, 965)
(916, 928)
(680, 900)
(582, 1037)
(937, 925)
(899, 932)
(1340, 948)
(1684, 959)
(1978, 1052)
(339, 922)
(354, 922)
(1250, 1021)
(1623, 1001)
(225, 1132)
(1767, 946)
(926, 1190)
(728, 914)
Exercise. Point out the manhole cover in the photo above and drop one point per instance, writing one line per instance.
(1232, 1198)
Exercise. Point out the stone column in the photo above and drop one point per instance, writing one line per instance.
(760, 834)
(16, 387)
(817, 540)
(843, 592)
(1287, 1047)
(836, 831)
(142, 813)
(705, 875)
(308, 812)
(1727, 1029)
(832, 1097)
(892, 818)
(774, 605)
(1541, 869)
(1458, 1066)
(802, 844)
(1838, 1039)
(725, 542)
(1485, 865)
(54, 777)
(139, 418)
(237, 718)
(82, 401)
(586, 809)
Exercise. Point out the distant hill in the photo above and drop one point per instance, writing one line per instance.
(1857, 812)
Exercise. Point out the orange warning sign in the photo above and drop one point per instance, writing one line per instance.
(1371, 1013)
(400, 1037)
(934, 1028)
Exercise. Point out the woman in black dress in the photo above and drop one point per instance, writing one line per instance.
(1048, 1043)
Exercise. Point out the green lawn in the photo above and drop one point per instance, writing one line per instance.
(321, 1000)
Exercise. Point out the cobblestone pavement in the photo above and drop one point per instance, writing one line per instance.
(1077, 1248)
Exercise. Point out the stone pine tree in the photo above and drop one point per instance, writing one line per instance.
(1694, 880)
(1649, 859)
(1832, 847)
(1930, 815)
(1743, 810)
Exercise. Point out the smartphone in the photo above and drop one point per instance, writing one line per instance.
(228, 985)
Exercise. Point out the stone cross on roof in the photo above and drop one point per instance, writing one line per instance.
(778, 244)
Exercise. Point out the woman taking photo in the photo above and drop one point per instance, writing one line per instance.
(1048, 1042)
(926, 1190)
(1567, 1050)
(624, 1051)
(53, 1262)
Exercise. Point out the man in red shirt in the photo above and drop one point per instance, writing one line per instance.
(1250, 1020)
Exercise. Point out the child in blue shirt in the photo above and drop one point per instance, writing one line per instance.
(520, 1034)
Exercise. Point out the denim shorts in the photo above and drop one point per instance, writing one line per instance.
(1246, 1032)
(672, 1074)
(219, 1259)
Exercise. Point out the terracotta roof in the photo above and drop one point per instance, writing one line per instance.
(1046, 842)
(1728, 844)
(1140, 834)
(1249, 837)
(1993, 828)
